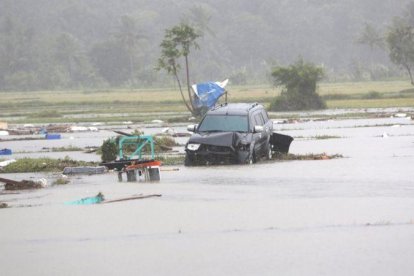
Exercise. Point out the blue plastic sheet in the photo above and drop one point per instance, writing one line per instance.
(87, 200)
(52, 136)
(5, 152)
(207, 94)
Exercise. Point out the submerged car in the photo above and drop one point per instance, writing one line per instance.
(231, 133)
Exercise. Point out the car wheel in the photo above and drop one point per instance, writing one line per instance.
(269, 153)
(251, 159)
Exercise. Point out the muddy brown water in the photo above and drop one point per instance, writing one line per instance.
(347, 216)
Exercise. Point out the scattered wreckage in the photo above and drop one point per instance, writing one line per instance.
(234, 133)
(13, 185)
(100, 199)
(133, 164)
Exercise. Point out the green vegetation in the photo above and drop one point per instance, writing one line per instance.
(161, 143)
(81, 44)
(299, 81)
(68, 148)
(171, 160)
(109, 150)
(176, 44)
(397, 40)
(43, 165)
(375, 103)
(400, 40)
(144, 105)
(61, 181)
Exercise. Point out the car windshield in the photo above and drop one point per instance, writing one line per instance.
(224, 123)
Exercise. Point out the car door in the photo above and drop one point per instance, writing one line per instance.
(261, 137)
(268, 125)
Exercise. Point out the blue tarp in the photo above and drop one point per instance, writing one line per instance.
(87, 200)
(52, 136)
(207, 94)
(5, 152)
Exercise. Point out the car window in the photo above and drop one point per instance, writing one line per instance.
(224, 123)
(258, 119)
(265, 117)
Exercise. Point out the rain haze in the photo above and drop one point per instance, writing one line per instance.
(79, 77)
(71, 44)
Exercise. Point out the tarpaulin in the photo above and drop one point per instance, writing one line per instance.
(208, 93)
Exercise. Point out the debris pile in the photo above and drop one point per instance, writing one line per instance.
(85, 170)
(12, 185)
(310, 156)
(30, 129)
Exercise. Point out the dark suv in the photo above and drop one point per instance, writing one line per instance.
(230, 133)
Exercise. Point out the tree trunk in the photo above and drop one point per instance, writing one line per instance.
(181, 91)
(409, 73)
(188, 84)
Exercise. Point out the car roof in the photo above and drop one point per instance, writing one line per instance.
(234, 109)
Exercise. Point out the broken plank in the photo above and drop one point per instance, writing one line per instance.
(131, 198)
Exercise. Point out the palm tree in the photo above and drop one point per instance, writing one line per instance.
(176, 44)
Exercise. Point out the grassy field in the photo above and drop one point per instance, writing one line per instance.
(146, 104)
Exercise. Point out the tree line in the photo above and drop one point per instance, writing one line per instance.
(74, 44)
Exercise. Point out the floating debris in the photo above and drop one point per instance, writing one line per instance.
(310, 156)
(7, 162)
(83, 129)
(400, 115)
(85, 170)
(100, 199)
(87, 200)
(169, 131)
(157, 121)
(131, 198)
(5, 152)
(12, 185)
(91, 149)
(63, 180)
(4, 125)
(78, 128)
(53, 136)
(93, 129)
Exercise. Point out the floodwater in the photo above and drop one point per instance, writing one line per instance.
(346, 216)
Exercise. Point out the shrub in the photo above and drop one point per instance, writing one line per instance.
(372, 95)
(299, 87)
(109, 150)
(43, 165)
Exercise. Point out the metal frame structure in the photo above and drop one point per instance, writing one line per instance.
(140, 142)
